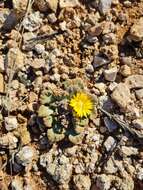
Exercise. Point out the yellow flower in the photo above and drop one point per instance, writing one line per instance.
(82, 104)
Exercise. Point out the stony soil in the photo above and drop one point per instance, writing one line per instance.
(48, 49)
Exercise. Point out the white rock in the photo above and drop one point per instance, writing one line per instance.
(128, 151)
(137, 30)
(39, 48)
(10, 123)
(110, 74)
(17, 184)
(8, 141)
(68, 3)
(109, 143)
(1, 64)
(140, 174)
(82, 182)
(134, 81)
(104, 6)
(139, 93)
(103, 182)
(25, 155)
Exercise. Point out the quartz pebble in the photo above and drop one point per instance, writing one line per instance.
(139, 94)
(10, 123)
(109, 143)
(110, 74)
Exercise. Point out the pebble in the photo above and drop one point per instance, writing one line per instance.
(39, 48)
(138, 123)
(53, 5)
(8, 141)
(128, 151)
(10, 123)
(110, 74)
(103, 182)
(25, 155)
(82, 182)
(121, 95)
(125, 70)
(134, 81)
(89, 69)
(99, 61)
(32, 21)
(109, 143)
(37, 63)
(110, 167)
(52, 18)
(104, 6)
(58, 166)
(1, 64)
(1, 83)
(68, 3)
(140, 174)
(111, 125)
(112, 86)
(139, 93)
(136, 31)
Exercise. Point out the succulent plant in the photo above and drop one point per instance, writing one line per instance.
(59, 119)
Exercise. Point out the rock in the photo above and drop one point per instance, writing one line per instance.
(24, 134)
(58, 166)
(37, 63)
(1, 64)
(52, 18)
(95, 30)
(136, 31)
(134, 81)
(104, 6)
(32, 21)
(109, 143)
(82, 182)
(39, 48)
(44, 111)
(121, 95)
(1, 83)
(110, 167)
(128, 151)
(110, 74)
(68, 3)
(125, 70)
(139, 94)
(140, 174)
(17, 184)
(52, 4)
(25, 155)
(103, 182)
(15, 57)
(99, 61)
(8, 141)
(89, 69)
(111, 125)
(10, 123)
(19, 4)
(138, 123)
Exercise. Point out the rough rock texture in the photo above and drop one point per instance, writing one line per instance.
(136, 30)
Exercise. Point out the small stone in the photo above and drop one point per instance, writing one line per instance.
(140, 174)
(89, 69)
(136, 31)
(95, 30)
(104, 6)
(32, 22)
(8, 141)
(121, 95)
(25, 155)
(99, 61)
(110, 74)
(10, 123)
(103, 182)
(112, 86)
(134, 81)
(125, 70)
(1, 64)
(109, 143)
(128, 151)
(111, 125)
(68, 3)
(82, 182)
(52, 18)
(139, 94)
(1, 83)
(110, 167)
(138, 123)
(37, 63)
(53, 5)
(39, 48)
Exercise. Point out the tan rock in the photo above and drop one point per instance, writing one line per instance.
(121, 95)
(134, 81)
(68, 3)
(136, 31)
